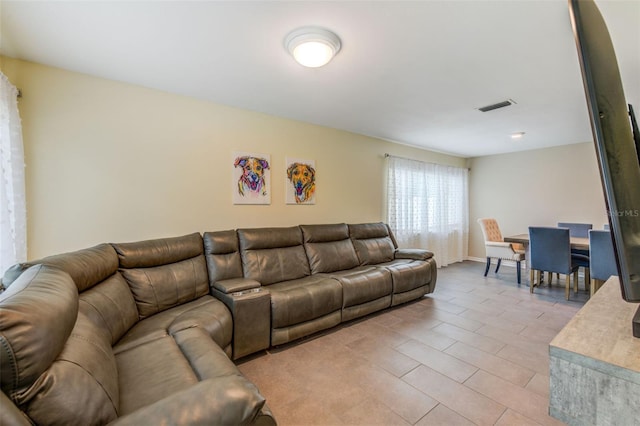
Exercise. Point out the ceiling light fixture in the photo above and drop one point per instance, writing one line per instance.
(312, 46)
(517, 135)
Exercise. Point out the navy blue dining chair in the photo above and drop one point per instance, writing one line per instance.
(550, 250)
(579, 230)
(603, 259)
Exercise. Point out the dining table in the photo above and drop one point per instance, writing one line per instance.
(577, 243)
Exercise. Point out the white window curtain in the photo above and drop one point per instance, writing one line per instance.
(428, 207)
(13, 216)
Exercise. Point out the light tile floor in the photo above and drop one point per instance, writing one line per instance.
(473, 352)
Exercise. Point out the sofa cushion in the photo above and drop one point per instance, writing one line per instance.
(372, 242)
(161, 251)
(164, 273)
(39, 311)
(223, 255)
(171, 364)
(297, 301)
(205, 312)
(87, 267)
(363, 284)
(272, 255)
(329, 248)
(151, 371)
(408, 274)
(111, 306)
(159, 288)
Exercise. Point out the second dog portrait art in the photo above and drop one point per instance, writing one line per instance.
(301, 181)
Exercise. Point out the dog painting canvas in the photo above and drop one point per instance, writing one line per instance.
(251, 178)
(301, 181)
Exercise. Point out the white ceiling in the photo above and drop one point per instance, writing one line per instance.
(412, 72)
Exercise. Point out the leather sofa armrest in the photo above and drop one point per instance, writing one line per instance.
(237, 286)
(251, 311)
(228, 400)
(414, 254)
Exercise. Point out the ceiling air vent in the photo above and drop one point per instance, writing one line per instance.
(496, 106)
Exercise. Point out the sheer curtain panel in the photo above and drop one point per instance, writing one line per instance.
(13, 216)
(428, 207)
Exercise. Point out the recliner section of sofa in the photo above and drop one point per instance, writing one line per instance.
(413, 271)
(301, 304)
(365, 288)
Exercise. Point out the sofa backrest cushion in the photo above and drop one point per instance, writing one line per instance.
(165, 272)
(222, 253)
(87, 267)
(329, 248)
(271, 255)
(110, 305)
(373, 243)
(39, 311)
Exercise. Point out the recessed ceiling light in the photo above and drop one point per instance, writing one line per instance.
(312, 46)
(517, 135)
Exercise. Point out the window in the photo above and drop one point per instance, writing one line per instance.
(13, 228)
(427, 207)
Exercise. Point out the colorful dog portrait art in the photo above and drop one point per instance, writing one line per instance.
(252, 179)
(301, 181)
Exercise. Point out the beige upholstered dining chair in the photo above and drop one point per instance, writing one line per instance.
(497, 248)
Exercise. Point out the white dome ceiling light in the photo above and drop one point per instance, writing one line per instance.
(312, 46)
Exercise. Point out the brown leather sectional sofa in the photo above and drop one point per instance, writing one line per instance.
(144, 332)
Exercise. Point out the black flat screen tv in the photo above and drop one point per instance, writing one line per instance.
(617, 142)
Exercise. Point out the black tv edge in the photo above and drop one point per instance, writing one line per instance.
(617, 143)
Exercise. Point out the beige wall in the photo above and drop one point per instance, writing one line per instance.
(108, 161)
(539, 187)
